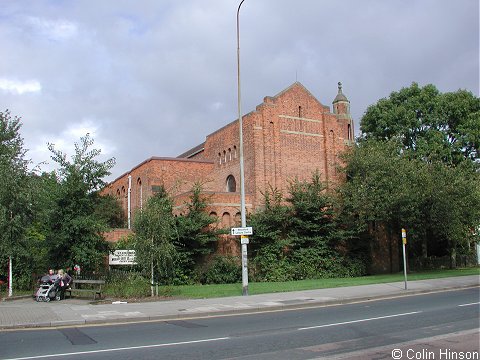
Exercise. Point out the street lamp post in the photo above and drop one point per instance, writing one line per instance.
(244, 239)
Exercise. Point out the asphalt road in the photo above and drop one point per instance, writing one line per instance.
(363, 330)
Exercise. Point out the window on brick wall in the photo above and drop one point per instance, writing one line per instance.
(231, 184)
(220, 158)
(226, 220)
(140, 193)
(229, 154)
(235, 152)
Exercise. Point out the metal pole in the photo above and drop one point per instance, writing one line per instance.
(242, 175)
(404, 242)
(10, 277)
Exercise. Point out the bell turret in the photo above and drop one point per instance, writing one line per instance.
(341, 108)
(341, 105)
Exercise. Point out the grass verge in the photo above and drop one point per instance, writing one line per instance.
(224, 290)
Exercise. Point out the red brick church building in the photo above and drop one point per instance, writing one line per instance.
(288, 135)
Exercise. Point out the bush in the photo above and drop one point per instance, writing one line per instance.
(221, 270)
(125, 284)
(275, 264)
(272, 264)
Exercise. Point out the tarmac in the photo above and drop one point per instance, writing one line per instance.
(20, 313)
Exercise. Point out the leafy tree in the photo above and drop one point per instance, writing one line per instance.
(15, 195)
(301, 237)
(438, 204)
(272, 224)
(109, 210)
(74, 229)
(156, 238)
(197, 235)
(430, 125)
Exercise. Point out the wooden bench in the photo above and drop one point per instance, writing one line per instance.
(86, 286)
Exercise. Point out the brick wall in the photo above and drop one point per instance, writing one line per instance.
(290, 135)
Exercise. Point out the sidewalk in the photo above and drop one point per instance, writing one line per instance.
(26, 313)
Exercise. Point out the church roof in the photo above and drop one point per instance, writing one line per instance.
(340, 96)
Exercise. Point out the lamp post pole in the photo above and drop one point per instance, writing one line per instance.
(244, 240)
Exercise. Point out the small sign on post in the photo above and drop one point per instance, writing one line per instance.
(241, 231)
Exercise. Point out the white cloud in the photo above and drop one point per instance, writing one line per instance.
(54, 29)
(19, 87)
(65, 142)
(217, 105)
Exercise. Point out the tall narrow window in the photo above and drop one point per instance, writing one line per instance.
(226, 219)
(229, 154)
(140, 193)
(231, 184)
(300, 111)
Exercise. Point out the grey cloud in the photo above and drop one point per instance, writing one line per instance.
(150, 73)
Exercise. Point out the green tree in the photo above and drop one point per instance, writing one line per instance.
(430, 125)
(197, 236)
(156, 238)
(109, 210)
(438, 204)
(74, 229)
(300, 236)
(15, 197)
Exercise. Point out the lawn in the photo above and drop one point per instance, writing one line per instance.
(223, 290)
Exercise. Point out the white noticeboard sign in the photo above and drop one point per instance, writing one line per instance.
(122, 257)
(242, 231)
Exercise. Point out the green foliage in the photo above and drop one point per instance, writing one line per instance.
(197, 236)
(109, 210)
(272, 224)
(430, 125)
(16, 199)
(301, 237)
(439, 205)
(124, 284)
(156, 238)
(222, 270)
(74, 229)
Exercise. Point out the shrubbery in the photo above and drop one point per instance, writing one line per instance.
(221, 270)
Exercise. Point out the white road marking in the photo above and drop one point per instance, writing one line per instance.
(357, 321)
(470, 304)
(120, 349)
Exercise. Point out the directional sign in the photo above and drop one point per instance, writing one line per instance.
(242, 231)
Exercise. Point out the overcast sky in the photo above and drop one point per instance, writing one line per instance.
(154, 78)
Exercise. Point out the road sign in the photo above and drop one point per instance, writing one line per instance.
(244, 239)
(242, 231)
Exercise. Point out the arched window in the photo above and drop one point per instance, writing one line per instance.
(220, 158)
(231, 184)
(226, 220)
(235, 152)
(224, 156)
(140, 193)
(229, 154)
(238, 218)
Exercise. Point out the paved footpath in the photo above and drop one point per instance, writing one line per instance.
(26, 313)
